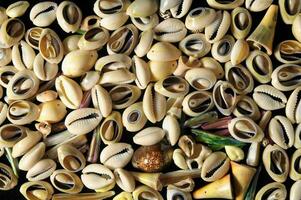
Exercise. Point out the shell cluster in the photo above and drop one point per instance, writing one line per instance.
(161, 99)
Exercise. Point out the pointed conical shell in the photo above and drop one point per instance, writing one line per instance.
(263, 35)
(150, 179)
(221, 188)
(242, 177)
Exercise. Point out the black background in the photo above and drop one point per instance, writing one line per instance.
(283, 32)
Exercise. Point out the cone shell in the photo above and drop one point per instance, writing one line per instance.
(52, 111)
(221, 188)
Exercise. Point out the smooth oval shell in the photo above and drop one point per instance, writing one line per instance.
(145, 42)
(276, 162)
(296, 27)
(69, 16)
(37, 190)
(17, 9)
(225, 5)
(114, 21)
(257, 5)
(124, 180)
(67, 182)
(142, 72)
(101, 100)
(215, 166)
(70, 43)
(133, 117)
(163, 51)
(89, 80)
(23, 55)
(161, 69)
(32, 156)
(78, 62)
(44, 70)
(149, 136)
(116, 155)
(295, 192)
(83, 120)
(69, 91)
(172, 128)
(41, 170)
(97, 176)
(245, 129)
(142, 8)
(43, 14)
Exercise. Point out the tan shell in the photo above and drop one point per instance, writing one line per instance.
(78, 62)
(32, 37)
(224, 97)
(247, 107)
(114, 21)
(269, 98)
(296, 27)
(215, 166)
(113, 62)
(295, 191)
(154, 104)
(172, 128)
(142, 8)
(239, 77)
(69, 91)
(52, 111)
(89, 117)
(37, 190)
(149, 136)
(161, 69)
(288, 51)
(22, 112)
(70, 43)
(281, 131)
(241, 23)
(297, 143)
(276, 162)
(69, 16)
(89, 80)
(111, 128)
(93, 39)
(254, 154)
(97, 176)
(70, 158)
(65, 181)
(23, 56)
(11, 32)
(133, 117)
(124, 180)
(225, 5)
(10, 135)
(142, 72)
(294, 173)
(195, 45)
(144, 190)
(33, 156)
(89, 22)
(170, 30)
(234, 153)
(201, 78)
(245, 129)
(50, 46)
(214, 65)
(221, 49)
(172, 86)
(145, 23)
(41, 170)
(145, 42)
(260, 66)
(101, 100)
(257, 5)
(239, 52)
(105, 8)
(116, 155)
(118, 43)
(199, 18)
(8, 178)
(117, 77)
(43, 14)
(289, 10)
(219, 27)
(163, 51)
(197, 103)
(5, 56)
(23, 85)
(44, 70)
(17, 9)
(181, 9)
(3, 112)
(284, 77)
(124, 95)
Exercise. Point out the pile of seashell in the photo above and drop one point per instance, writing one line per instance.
(151, 100)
